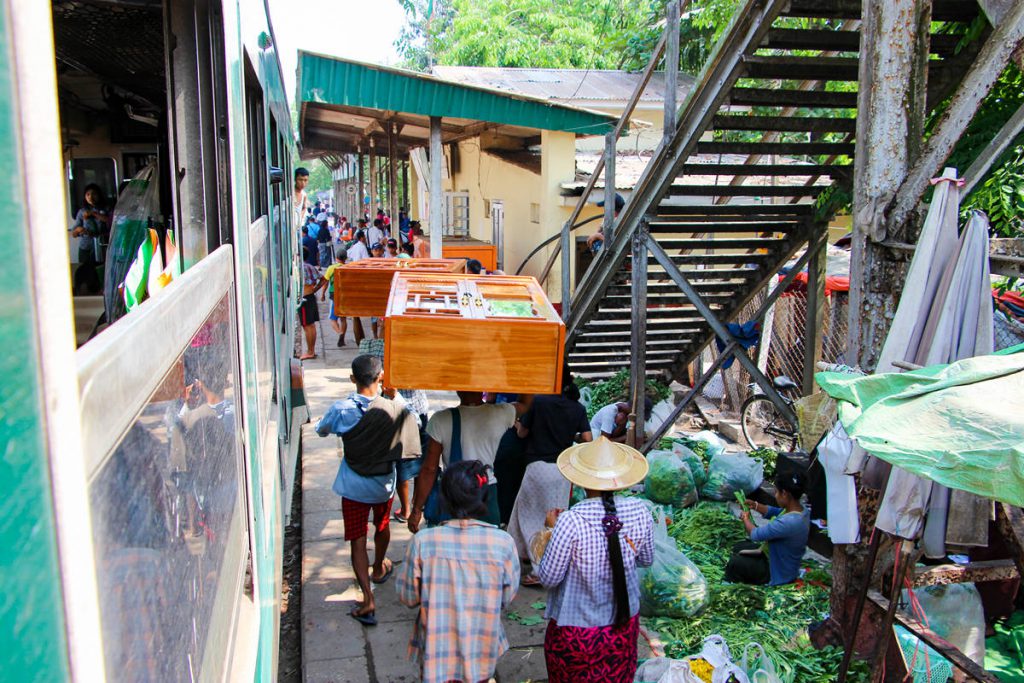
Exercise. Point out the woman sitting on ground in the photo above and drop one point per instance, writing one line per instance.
(785, 535)
(461, 574)
(590, 564)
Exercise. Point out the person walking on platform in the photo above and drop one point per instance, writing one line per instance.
(375, 430)
(460, 574)
(589, 567)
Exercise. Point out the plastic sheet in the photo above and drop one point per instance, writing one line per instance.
(729, 473)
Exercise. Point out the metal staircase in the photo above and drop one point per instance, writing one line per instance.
(746, 178)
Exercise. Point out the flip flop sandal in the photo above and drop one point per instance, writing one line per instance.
(387, 575)
(530, 581)
(399, 517)
(368, 619)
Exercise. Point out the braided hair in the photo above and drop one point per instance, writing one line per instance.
(612, 525)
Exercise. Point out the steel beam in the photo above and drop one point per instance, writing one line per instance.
(721, 330)
(638, 338)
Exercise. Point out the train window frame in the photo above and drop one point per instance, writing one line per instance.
(256, 144)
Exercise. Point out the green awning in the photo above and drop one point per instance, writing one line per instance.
(331, 89)
(961, 425)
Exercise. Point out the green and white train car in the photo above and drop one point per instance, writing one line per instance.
(146, 465)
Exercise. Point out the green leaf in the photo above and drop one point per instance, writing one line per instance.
(540, 604)
(531, 620)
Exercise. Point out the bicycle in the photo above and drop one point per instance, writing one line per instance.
(762, 423)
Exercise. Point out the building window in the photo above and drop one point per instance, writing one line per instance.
(456, 214)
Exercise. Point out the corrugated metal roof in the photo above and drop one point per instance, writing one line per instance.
(566, 85)
(345, 83)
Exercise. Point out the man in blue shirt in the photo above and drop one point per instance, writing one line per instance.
(309, 243)
(785, 537)
(362, 494)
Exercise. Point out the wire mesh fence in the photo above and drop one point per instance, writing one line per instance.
(787, 347)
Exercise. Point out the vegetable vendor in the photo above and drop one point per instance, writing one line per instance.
(589, 566)
(784, 537)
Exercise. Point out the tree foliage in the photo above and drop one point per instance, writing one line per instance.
(584, 34)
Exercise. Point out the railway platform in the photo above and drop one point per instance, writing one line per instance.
(335, 648)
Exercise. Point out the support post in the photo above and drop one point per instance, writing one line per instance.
(891, 109)
(362, 188)
(671, 69)
(903, 554)
(818, 246)
(566, 246)
(436, 159)
(393, 179)
(858, 611)
(609, 186)
(638, 333)
(373, 180)
(405, 186)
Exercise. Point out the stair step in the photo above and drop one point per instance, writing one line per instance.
(594, 364)
(799, 148)
(771, 97)
(746, 190)
(667, 287)
(738, 212)
(722, 243)
(610, 354)
(609, 313)
(942, 10)
(785, 170)
(605, 325)
(599, 375)
(841, 41)
(659, 228)
(715, 258)
(655, 344)
(802, 68)
(679, 298)
(679, 336)
(789, 124)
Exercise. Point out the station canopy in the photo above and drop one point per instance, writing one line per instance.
(347, 107)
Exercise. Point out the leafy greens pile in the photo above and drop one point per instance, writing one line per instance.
(616, 388)
(775, 617)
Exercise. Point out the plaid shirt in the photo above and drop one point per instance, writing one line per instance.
(576, 567)
(460, 574)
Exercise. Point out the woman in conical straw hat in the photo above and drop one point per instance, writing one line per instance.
(589, 567)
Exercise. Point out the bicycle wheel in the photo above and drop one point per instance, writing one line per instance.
(764, 427)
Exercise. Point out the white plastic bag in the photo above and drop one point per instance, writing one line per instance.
(716, 445)
(955, 613)
(729, 473)
(843, 518)
(716, 653)
(672, 586)
(759, 668)
(669, 480)
(659, 415)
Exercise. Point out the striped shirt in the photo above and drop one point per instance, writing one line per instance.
(577, 570)
(460, 574)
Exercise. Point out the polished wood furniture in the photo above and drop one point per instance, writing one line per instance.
(495, 333)
(361, 288)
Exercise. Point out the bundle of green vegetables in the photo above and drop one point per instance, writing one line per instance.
(669, 480)
(775, 617)
(616, 389)
(769, 457)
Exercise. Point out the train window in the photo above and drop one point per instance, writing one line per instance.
(257, 145)
(275, 160)
(168, 516)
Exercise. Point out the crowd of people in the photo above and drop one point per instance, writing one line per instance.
(485, 488)
(328, 241)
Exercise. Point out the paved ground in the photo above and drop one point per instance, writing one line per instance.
(335, 648)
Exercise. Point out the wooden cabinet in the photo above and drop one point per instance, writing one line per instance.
(472, 333)
(361, 288)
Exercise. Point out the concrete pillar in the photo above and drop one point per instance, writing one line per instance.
(557, 166)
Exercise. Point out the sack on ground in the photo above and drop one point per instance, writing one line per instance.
(669, 480)
(672, 586)
(730, 473)
(758, 667)
(694, 462)
(714, 664)
(716, 445)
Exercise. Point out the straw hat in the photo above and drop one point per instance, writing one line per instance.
(602, 465)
